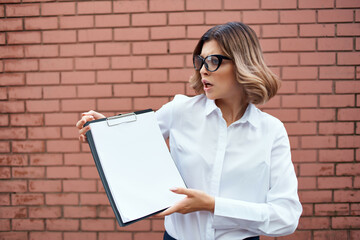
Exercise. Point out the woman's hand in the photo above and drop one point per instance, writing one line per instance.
(86, 117)
(195, 200)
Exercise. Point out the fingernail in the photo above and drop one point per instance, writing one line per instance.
(173, 189)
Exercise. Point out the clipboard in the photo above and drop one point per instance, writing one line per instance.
(134, 165)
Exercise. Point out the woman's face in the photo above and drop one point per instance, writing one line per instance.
(219, 85)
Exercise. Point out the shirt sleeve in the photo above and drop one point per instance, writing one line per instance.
(280, 214)
(164, 118)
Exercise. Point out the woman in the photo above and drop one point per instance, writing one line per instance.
(234, 158)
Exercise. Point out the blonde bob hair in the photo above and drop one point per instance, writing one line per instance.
(239, 42)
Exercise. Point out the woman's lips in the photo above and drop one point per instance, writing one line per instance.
(207, 84)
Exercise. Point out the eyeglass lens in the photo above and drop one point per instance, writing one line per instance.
(211, 62)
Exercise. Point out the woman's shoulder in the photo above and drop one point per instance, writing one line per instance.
(268, 120)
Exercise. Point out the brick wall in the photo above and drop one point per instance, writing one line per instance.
(60, 58)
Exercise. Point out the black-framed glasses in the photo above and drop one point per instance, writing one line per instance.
(211, 62)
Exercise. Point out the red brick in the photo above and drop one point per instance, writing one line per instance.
(149, 19)
(28, 146)
(45, 235)
(42, 106)
(166, 5)
(115, 235)
(59, 36)
(307, 183)
(83, 77)
(42, 78)
(314, 223)
(56, 64)
(4, 147)
(338, 15)
(195, 32)
(330, 234)
(112, 49)
(43, 132)
(114, 76)
(69, 133)
(59, 92)
(45, 159)
(62, 146)
(316, 4)
(63, 172)
(297, 16)
(301, 101)
(23, 65)
(63, 119)
(5, 199)
(79, 186)
(41, 23)
(281, 4)
(171, 61)
(348, 29)
(346, 169)
(334, 182)
(180, 75)
(166, 89)
(61, 199)
(94, 35)
(62, 225)
(97, 225)
(349, 114)
(151, 75)
(11, 24)
(95, 91)
(28, 172)
(93, 199)
(44, 212)
(92, 63)
(10, 79)
(131, 62)
(203, 5)
(347, 86)
(173, 32)
(13, 186)
(13, 133)
(269, 45)
(131, 90)
(320, 169)
(24, 92)
(41, 51)
(79, 49)
(154, 102)
(78, 159)
(334, 44)
(80, 235)
(294, 44)
(45, 186)
(347, 3)
(27, 224)
(273, 103)
(337, 101)
(318, 196)
(76, 22)
(57, 8)
(348, 58)
(130, 6)
(301, 128)
(13, 212)
(11, 52)
(27, 199)
(94, 7)
(77, 105)
(314, 86)
(317, 30)
(346, 196)
(131, 34)
(331, 209)
(158, 47)
(13, 160)
(112, 20)
(336, 155)
(279, 31)
(317, 58)
(221, 17)
(318, 142)
(11, 235)
(5, 173)
(186, 18)
(241, 5)
(336, 128)
(145, 236)
(80, 212)
(345, 222)
(336, 72)
(299, 73)
(22, 10)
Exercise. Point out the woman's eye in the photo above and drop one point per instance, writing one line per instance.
(214, 61)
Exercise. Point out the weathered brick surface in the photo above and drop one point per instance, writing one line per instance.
(61, 58)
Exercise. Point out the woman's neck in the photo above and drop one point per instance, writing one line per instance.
(232, 109)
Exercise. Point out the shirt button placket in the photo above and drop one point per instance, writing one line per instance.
(217, 169)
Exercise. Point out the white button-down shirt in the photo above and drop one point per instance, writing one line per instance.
(246, 166)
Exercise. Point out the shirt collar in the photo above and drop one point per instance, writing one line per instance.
(250, 115)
